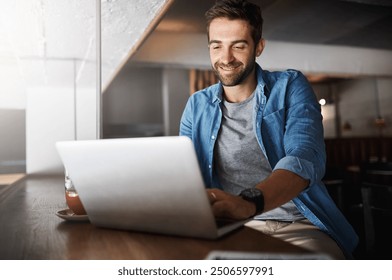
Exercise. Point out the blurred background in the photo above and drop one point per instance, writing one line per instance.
(74, 70)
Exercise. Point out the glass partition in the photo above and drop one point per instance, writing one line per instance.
(48, 72)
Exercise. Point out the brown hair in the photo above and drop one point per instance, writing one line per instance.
(237, 9)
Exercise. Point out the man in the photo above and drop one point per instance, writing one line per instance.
(259, 139)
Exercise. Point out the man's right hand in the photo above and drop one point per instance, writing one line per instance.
(225, 205)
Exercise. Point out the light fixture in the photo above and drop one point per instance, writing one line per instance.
(379, 122)
(322, 101)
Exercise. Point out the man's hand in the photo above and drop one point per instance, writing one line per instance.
(225, 205)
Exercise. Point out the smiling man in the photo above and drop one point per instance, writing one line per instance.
(232, 53)
(259, 139)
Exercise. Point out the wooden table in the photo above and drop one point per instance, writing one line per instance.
(29, 229)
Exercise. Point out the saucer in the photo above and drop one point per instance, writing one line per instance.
(69, 215)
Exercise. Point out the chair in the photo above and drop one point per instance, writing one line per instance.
(376, 190)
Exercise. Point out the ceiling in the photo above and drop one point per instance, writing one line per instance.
(355, 23)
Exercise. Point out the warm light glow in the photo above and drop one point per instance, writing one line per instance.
(322, 101)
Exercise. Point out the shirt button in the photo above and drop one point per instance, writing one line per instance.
(212, 137)
(209, 166)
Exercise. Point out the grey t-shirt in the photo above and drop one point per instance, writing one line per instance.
(239, 160)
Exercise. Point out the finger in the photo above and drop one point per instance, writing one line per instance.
(211, 196)
(220, 210)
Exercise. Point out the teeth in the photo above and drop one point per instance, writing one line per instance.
(228, 68)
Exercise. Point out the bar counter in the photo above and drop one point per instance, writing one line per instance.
(31, 230)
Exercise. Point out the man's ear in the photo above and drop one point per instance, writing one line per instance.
(260, 47)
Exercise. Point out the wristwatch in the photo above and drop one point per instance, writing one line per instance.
(255, 196)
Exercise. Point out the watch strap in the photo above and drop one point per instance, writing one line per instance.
(255, 196)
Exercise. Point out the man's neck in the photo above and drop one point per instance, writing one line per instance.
(241, 92)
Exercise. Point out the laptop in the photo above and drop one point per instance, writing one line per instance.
(147, 184)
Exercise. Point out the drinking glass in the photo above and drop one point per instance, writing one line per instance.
(72, 197)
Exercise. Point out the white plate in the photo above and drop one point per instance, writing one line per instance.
(68, 215)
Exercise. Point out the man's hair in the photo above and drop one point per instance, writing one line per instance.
(237, 9)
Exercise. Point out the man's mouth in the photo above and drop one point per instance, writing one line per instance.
(228, 67)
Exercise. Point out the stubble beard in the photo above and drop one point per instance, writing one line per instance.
(235, 78)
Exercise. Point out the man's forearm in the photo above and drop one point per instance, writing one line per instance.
(280, 187)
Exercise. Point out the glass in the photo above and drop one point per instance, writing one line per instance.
(58, 65)
(72, 197)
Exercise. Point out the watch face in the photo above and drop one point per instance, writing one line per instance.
(255, 196)
(253, 192)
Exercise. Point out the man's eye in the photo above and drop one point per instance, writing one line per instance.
(215, 47)
(239, 47)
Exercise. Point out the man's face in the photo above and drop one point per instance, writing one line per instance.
(232, 50)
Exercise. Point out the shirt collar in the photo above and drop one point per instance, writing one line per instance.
(262, 81)
(217, 93)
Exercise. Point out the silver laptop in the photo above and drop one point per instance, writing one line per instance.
(150, 184)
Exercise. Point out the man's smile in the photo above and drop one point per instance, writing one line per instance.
(228, 68)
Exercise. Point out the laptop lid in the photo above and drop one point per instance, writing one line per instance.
(149, 184)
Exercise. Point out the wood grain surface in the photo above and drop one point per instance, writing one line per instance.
(30, 229)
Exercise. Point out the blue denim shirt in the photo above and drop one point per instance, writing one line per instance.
(288, 127)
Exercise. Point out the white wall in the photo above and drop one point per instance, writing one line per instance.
(50, 117)
(358, 106)
(190, 50)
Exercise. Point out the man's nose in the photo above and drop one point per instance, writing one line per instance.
(227, 56)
